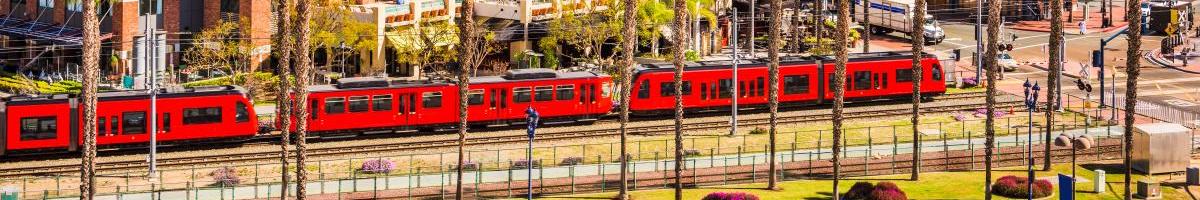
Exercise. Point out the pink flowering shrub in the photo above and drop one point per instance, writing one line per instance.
(730, 196)
(377, 166)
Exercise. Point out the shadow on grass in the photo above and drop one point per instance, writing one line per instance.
(1107, 167)
(824, 196)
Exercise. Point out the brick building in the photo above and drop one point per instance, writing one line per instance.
(57, 23)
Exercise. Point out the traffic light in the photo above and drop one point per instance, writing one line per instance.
(957, 54)
(1097, 58)
(1083, 85)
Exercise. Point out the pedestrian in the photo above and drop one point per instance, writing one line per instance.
(1083, 27)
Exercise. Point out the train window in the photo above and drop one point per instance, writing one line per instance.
(521, 95)
(134, 122)
(703, 91)
(114, 125)
(312, 106)
(166, 121)
(359, 104)
(592, 93)
(884, 79)
(381, 102)
(760, 86)
(241, 112)
(475, 97)
(904, 75)
(742, 88)
(937, 72)
(875, 81)
(795, 84)
(644, 89)
(39, 128)
(334, 105)
(862, 80)
(726, 88)
(431, 99)
(100, 129)
(207, 115)
(712, 91)
(566, 92)
(668, 88)
(543, 93)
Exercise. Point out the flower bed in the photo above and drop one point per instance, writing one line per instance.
(1018, 187)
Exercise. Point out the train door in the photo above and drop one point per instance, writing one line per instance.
(584, 93)
(476, 107)
(404, 108)
(499, 103)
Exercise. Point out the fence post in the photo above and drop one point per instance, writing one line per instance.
(603, 178)
(867, 158)
(572, 169)
(820, 135)
(895, 148)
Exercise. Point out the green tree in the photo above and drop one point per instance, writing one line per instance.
(334, 25)
(653, 16)
(224, 48)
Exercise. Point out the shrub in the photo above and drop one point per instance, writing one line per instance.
(691, 55)
(1018, 187)
(970, 82)
(470, 165)
(691, 152)
(860, 191)
(730, 196)
(758, 131)
(377, 166)
(524, 164)
(887, 191)
(961, 117)
(568, 161)
(225, 176)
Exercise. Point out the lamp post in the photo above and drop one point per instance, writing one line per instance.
(532, 120)
(1030, 106)
(733, 117)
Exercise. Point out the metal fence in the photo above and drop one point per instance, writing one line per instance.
(582, 167)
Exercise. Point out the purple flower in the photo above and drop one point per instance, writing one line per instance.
(225, 176)
(377, 166)
(730, 196)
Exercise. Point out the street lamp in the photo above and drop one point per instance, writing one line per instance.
(1030, 106)
(532, 121)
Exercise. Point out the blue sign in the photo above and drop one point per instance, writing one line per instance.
(1066, 187)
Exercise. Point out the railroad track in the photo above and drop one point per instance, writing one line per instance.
(273, 156)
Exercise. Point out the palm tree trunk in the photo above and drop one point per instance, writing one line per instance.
(470, 44)
(681, 16)
(1131, 76)
(989, 58)
(773, 88)
(750, 38)
(796, 33)
(283, 99)
(918, 46)
(866, 35)
(629, 46)
(91, 69)
(1056, 26)
(304, 68)
(839, 92)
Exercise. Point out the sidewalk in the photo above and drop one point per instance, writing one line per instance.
(1092, 25)
(1177, 60)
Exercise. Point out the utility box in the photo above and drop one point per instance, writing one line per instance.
(1147, 189)
(1161, 148)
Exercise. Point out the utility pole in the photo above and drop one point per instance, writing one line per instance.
(979, 41)
(733, 118)
(151, 45)
(753, 17)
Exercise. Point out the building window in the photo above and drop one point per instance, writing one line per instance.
(381, 102)
(359, 104)
(39, 128)
(209, 115)
(150, 7)
(229, 6)
(46, 3)
(75, 5)
(543, 93)
(431, 99)
(134, 122)
(566, 92)
(335, 105)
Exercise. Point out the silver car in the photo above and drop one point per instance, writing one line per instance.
(1006, 62)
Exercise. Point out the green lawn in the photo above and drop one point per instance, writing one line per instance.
(933, 185)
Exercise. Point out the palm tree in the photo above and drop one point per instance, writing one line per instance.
(1056, 7)
(773, 89)
(866, 36)
(989, 58)
(91, 73)
(628, 45)
(304, 68)
(839, 91)
(283, 99)
(918, 45)
(470, 44)
(1131, 77)
(681, 15)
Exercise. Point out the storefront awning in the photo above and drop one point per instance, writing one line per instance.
(57, 34)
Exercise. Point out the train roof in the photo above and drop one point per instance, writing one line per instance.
(762, 62)
(169, 92)
(516, 75)
(356, 83)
